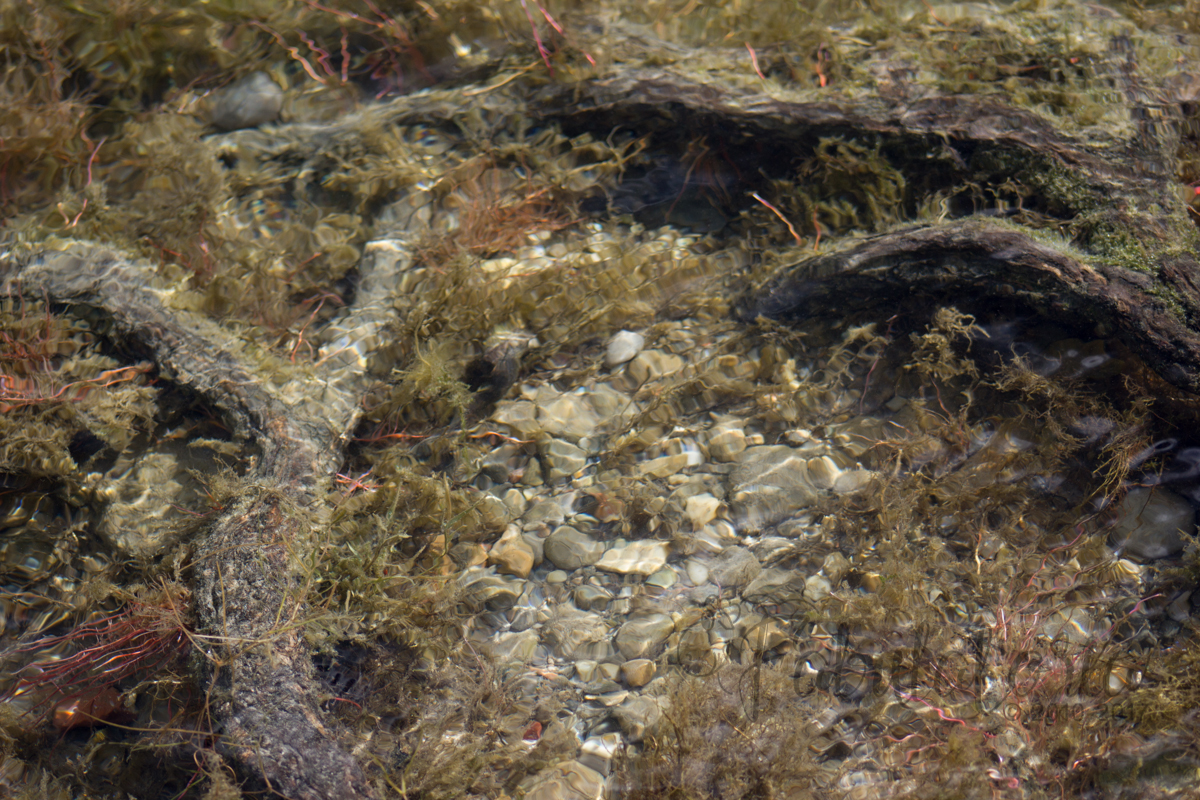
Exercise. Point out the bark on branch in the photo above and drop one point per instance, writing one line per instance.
(246, 582)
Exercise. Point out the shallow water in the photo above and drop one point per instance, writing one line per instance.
(938, 549)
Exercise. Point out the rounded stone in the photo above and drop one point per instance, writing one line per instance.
(665, 578)
(697, 571)
(702, 509)
(635, 558)
(591, 598)
(1151, 524)
(823, 472)
(652, 364)
(638, 716)
(622, 347)
(638, 672)
(513, 556)
(597, 752)
(769, 484)
(513, 646)
(569, 549)
(569, 780)
(253, 100)
(727, 444)
(563, 458)
(735, 567)
(852, 480)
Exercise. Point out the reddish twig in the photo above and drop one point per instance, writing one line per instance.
(776, 211)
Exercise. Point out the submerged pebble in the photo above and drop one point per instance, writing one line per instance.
(253, 100)
(636, 558)
(1151, 524)
(569, 549)
(622, 347)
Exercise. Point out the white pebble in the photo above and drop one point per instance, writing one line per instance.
(622, 347)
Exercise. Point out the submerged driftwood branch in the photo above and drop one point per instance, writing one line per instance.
(245, 566)
(976, 260)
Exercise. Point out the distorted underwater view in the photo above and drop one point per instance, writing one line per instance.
(572, 400)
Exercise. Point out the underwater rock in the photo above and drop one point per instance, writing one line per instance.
(665, 466)
(726, 445)
(591, 598)
(570, 780)
(482, 588)
(638, 716)
(759, 634)
(515, 502)
(512, 646)
(563, 459)
(823, 472)
(598, 751)
(835, 567)
(144, 504)
(636, 558)
(622, 347)
(567, 416)
(776, 587)
(665, 578)
(702, 509)
(569, 549)
(641, 637)
(572, 630)
(543, 511)
(637, 672)
(1151, 524)
(769, 483)
(250, 102)
(651, 364)
(735, 567)
(513, 554)
(519, 415)
(852, 480)
(697, 571)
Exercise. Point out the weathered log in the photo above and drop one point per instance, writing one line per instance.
(245, 577)
(1131, 267)
(975, 260)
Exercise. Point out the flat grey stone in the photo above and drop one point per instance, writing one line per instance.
(768, 485)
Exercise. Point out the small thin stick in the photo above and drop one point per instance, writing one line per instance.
(776, 211)
(757, 71)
